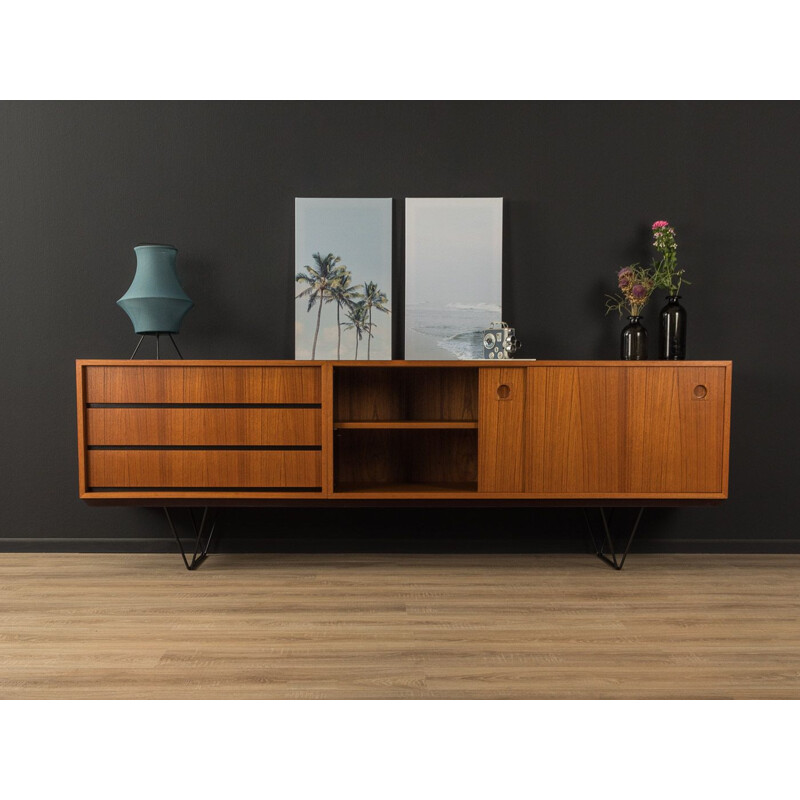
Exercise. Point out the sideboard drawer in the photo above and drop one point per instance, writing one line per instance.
(204, 469)
(202, 385)
(177, 426)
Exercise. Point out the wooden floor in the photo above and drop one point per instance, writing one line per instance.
(399, 626)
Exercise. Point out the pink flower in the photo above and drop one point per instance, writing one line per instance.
(662, 223)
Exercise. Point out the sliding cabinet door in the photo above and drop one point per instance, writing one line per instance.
(501, 429)
(629, 431)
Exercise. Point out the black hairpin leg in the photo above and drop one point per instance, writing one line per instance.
(607, 540)
(208, 522)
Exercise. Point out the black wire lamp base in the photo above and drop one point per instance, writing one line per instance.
(158, 336)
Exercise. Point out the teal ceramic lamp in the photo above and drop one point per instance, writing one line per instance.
(155, 301)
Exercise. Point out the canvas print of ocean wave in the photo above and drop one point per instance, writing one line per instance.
(454, 275)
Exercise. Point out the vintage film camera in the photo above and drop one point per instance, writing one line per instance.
(500, 341)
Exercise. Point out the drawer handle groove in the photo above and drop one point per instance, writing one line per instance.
(171, 447)
(204, 405)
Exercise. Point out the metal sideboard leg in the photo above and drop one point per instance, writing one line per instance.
(607, 540)
(205, 530)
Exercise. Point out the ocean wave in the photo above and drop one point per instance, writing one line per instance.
(464, 346)
(455, 329)
(492, 307)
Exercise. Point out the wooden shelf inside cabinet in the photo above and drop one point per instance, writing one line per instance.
(406, 425)
(394, 488)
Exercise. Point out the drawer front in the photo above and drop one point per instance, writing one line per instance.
(184, 384)
(204, 469)
(288, 427)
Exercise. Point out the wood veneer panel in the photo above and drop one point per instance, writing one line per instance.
(615, 431)
(726, 428)
(386, 393)
(674, 439)
(195, 384)
(364, 395)
(575, 430)
(80, 393)
(203, 426)
(447, 395)
(204, 468)
(501, 426)
(326, 375)
(391, 456)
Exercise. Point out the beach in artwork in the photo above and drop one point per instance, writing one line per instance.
(448, 332)
(454, 262)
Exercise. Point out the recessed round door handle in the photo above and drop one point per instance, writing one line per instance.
(504, 391)
(700, 392)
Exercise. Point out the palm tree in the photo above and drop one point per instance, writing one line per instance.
(319, 281)
(343, 294)
(357, 314)
(373, 298)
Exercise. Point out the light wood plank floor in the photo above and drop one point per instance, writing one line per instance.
(399, 626)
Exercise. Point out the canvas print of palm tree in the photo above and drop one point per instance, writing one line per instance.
(343, 278)
(454, 275)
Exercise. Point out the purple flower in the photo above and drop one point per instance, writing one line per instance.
(624, 277)
(638, 291)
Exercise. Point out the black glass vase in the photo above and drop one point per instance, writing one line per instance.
(672, 331)
(634, 340)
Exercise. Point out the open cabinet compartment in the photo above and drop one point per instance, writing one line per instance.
(390, 460)
(407, 394)
(405, 430)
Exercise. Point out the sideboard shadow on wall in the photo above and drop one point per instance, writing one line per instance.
(210, 434)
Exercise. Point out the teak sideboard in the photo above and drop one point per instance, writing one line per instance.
(214, 433)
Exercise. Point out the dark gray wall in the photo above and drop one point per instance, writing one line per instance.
(81, 183)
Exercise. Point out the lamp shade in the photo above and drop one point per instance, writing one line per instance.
(155, 301)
